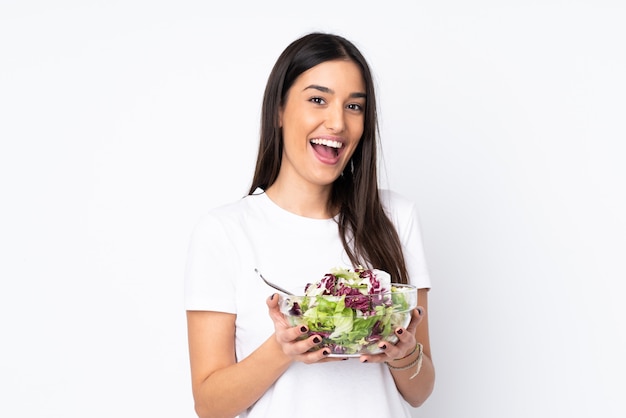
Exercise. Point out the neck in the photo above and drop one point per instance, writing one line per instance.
(308, 200)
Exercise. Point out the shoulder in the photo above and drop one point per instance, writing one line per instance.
(401, 210)
(394, 202)
(221, 218)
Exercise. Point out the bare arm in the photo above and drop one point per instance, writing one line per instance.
(223, 387)
(415, 391)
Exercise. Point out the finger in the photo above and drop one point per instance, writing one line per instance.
(405, 338)
(416, 318)
(317, 355)
(305, 346)
(392, 351)
(272, 303)
(288, 334)
(375, 358)
(406, 341)
(405, 334)
(274, 310)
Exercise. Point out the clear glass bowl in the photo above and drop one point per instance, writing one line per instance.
(352, 325)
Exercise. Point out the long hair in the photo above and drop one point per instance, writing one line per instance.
(368, 236)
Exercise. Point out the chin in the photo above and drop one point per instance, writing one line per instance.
(328, 179)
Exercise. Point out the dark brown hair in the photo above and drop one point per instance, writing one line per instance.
(368, 235)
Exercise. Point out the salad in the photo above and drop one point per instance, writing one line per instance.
(352, 309)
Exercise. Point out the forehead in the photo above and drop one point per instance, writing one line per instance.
(338, 75)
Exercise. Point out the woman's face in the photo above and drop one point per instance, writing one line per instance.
(322, 123)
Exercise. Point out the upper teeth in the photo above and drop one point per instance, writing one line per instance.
(327, 143)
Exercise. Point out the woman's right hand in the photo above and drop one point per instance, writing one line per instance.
(306, 350)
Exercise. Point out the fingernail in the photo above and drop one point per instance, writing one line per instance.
(345, 358)
(383, 347)
(364, 361)
(399, 332)
(326, 352)
(272, 297)
(303, 328)
(421, 311)
(317, 340)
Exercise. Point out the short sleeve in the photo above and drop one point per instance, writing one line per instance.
(208, 273)
(414, 252)
(405, 216)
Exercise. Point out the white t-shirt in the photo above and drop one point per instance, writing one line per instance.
(231, 241)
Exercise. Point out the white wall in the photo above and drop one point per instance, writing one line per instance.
(121, 122)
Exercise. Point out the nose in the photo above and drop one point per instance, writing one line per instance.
(334, 120)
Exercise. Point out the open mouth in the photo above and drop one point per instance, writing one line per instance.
(327, 148)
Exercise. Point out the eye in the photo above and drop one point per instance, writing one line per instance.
(356, 107)
(317, 100)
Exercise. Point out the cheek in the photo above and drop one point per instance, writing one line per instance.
(291, 119)
(356, 130)
(300, 129)
(356, 124)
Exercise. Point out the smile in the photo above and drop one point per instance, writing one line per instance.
(327, 148)
(327, 143)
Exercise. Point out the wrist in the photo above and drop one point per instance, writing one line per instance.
(409, 361)
(398, 362)
(279, 354)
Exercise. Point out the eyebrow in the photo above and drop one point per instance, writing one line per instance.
(331, 91)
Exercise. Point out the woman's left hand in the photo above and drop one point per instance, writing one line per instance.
(404, 346)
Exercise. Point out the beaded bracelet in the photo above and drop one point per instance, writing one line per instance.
(417, 362)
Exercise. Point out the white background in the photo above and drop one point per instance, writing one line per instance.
(122, 122)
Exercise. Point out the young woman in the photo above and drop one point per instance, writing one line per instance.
(314, 204)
